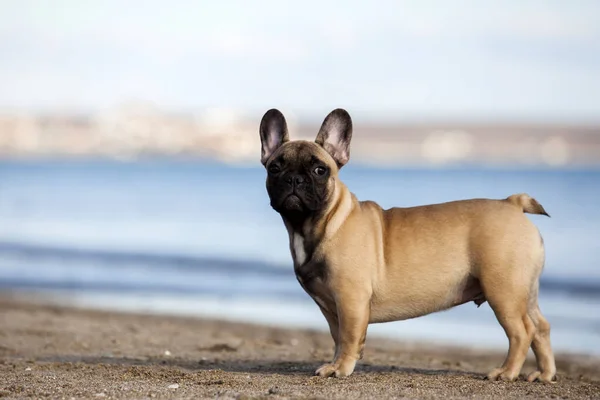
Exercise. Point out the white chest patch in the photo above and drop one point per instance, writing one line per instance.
(320, 302)
(299, 252)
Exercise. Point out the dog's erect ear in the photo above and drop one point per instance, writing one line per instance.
(335, 134)
(273, 133)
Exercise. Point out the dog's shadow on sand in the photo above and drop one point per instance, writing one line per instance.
(267, 366)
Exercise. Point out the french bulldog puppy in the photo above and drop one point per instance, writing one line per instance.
(362, 264)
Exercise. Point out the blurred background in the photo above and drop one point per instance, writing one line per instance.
(129, 151)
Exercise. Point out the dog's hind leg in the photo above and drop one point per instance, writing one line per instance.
(508, 297)
(546, 367)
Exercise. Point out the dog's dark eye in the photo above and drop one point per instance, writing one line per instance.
(274, 169)
(320, 171)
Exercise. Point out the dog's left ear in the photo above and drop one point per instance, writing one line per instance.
(335, 134)
(273, 133)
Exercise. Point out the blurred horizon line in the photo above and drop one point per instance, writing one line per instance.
(398, 116)
(139, 129)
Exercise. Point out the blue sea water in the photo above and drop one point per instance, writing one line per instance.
(193, 238)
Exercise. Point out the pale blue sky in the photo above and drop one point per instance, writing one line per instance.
(396, 59)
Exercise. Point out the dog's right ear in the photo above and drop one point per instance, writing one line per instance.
(273, 133)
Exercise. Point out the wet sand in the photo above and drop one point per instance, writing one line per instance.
(60, 352)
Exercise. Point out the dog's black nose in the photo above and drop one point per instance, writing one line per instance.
(295, 179)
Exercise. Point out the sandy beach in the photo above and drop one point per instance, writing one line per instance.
(60, 352)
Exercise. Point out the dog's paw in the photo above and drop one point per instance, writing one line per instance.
(541, 377)
(336, 370)
(502, 374)
(326, 370)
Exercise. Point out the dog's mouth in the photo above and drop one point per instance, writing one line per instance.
(293, 203)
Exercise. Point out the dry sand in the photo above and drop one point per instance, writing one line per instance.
(58, 352)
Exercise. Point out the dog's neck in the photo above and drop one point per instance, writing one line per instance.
(306, 234)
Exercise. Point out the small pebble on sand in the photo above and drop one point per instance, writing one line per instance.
(174, 386)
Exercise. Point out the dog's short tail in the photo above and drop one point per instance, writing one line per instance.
(527, 203)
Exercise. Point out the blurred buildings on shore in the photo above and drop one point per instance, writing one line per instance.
(139, 130)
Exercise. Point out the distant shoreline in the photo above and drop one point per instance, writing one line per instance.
(255, 164)
(132, 133)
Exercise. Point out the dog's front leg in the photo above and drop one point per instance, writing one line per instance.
(353, 319)
(334, 328)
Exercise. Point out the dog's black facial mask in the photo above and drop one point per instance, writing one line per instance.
(297, 181)
(299, 173)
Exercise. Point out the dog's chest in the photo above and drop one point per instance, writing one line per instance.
(310, 272)
(298, 249)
